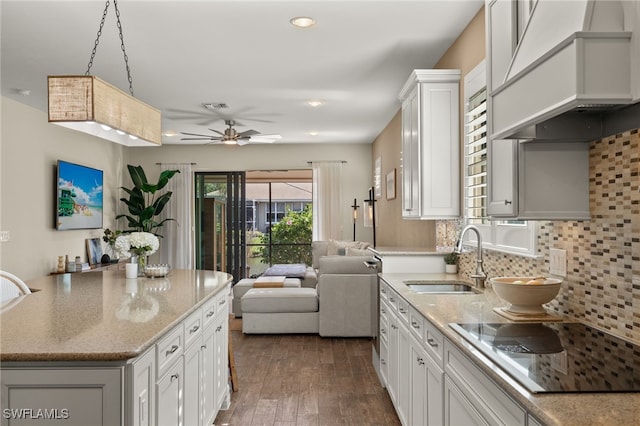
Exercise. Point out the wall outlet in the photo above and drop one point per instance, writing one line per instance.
(558, 262)
(4, 236)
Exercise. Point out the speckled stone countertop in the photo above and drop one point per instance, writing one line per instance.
(567, 409)
(100, 316)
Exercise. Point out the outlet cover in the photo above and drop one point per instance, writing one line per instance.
(558, 262)
(4, 236)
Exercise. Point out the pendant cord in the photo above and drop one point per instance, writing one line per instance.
(124, 52)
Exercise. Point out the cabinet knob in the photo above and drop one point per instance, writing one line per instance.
(420, 361)
(392, 300)
(172, 350)
(222, 302)
(432, 343)
(194, 329)
(203, 347)
(175, 377)
(415, 325)
(383, 362)
(383, 310)
(383, 331)
(210, 314)
(219, 328)
(507, 202)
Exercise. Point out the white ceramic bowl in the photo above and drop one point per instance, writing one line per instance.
(526, 298)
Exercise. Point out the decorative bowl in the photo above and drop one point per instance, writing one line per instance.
(156, 271)
(526, 294)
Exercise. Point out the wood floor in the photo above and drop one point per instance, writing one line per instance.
(305, 380)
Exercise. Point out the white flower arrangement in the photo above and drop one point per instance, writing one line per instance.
(136, 243)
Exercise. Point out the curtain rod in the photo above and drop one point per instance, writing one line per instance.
(327, 161)
(160, 164)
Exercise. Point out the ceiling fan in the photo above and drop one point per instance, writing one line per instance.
(231, 136)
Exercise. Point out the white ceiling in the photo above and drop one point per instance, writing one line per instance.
(242, 53)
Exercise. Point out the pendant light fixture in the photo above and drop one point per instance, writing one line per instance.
(88, 104)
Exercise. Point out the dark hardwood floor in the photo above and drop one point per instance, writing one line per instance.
(305, 380)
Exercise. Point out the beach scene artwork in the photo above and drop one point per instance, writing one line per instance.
(79, 198)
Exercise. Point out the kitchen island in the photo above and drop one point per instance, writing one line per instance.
(473, 389)
(97, 348)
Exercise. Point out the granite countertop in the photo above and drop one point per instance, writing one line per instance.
(100, 316)
(567, 409)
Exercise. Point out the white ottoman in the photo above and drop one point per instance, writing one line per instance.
(280, 310)
(244, 285)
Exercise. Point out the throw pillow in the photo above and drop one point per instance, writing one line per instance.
(352, 251)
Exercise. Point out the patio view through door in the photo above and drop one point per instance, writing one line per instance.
(248, 221)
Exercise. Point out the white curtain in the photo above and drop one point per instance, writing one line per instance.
(327, 200)
(176, 248)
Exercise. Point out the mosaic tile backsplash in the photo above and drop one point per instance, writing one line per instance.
(602, 286)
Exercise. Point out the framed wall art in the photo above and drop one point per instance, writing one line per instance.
(391, 185)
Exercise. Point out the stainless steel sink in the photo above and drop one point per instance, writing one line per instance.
(441, 287)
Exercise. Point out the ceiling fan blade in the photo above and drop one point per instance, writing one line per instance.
(196, 139)
(217, 131)
(197, 134)
(248, 133)
(272, 136)
(259, 139)
(242, 141)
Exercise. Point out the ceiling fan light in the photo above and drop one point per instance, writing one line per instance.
(302, 22)
(230, 142)
(314, 103)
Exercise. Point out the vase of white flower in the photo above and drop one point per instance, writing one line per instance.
(139, 245)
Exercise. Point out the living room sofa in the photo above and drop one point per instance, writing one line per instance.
(343, 303)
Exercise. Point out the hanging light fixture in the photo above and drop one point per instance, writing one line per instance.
(88, 104)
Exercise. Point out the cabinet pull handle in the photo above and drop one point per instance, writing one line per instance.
(203, 347)
(383, 291)
(383, 310)
(194, 329)
(403, 311)
(210, 314)
(174, 376)
(383, 362)
(219, 328)
(420, 361)
(432, 343)
(392, 300)
(383, 331)
(415, 325)
(507, 202)
(222, 302)
(172, 350)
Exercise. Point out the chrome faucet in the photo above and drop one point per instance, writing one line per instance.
(480, 276)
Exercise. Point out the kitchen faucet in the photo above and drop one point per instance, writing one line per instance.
(480, 276)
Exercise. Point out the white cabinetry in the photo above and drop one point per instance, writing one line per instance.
(472, 398)
(538, 180)
(430, 145)
(413, 376)
(527, 180)
(143, 372)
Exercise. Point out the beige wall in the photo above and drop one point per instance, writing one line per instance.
(30, 147)
(464, 54)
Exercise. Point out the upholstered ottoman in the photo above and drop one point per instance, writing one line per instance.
(280, 310)
(246, 284)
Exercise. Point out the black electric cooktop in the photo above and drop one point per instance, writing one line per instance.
(558, 357)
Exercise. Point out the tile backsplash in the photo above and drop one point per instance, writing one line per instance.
(602, 286)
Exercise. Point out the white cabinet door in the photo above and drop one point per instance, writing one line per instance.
(411, 156)
(404, 371)
(221, 359)
(426, 388)
(169, 395)
(502, 177)
(207, 377)
(457, 408)
(144, 379)
(191, 393)
(394, 361)
(501, 35)
(431, 145)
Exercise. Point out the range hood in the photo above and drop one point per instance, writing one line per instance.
(575, 67)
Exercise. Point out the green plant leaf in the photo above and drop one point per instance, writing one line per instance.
(164, 178)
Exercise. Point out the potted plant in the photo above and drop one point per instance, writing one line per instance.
(451, 263)
(144, 204)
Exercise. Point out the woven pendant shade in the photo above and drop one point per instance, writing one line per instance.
(91, 105)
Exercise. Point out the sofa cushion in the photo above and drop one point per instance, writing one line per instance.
(262, 300)
(289, 270)
(345, 265)
(318, 249)
(339, 247)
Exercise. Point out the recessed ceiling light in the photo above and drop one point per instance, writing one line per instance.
(314, 103)
(170, 133)
(302, 21)
(313, 133)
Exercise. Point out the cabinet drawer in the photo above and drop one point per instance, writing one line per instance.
(384, 291)
(192, 327)
(169, 349)
(384, 322)
(434, 343)
(209, 310)
(403, 310)
(392, 301)
(416, 324)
